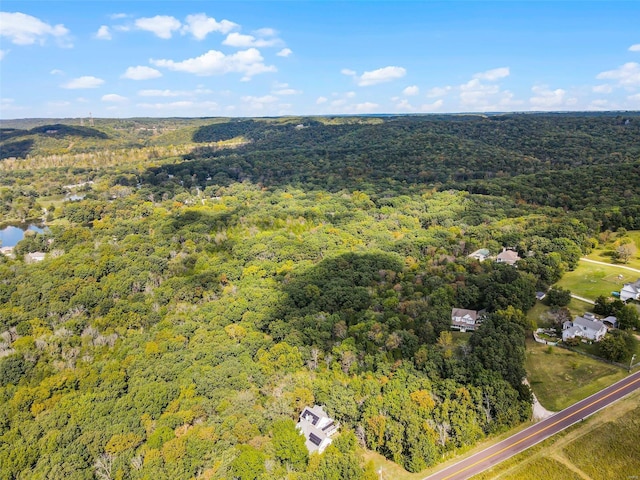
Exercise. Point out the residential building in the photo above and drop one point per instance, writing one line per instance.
(587, 328)
(630, 291)
(508, 256)
(464, 320)
(480, 255)
(317, 428)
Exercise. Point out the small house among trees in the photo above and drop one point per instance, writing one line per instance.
(464, 320)
(317, 428)
(510, 257)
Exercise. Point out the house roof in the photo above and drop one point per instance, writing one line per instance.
(316, 426)
(508, 256)
(461, 312)
(635, 286)
(594, 325)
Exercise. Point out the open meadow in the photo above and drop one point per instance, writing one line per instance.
(590, 280)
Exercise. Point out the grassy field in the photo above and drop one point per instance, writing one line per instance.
(590, 280)
(603, 253)
(560, 377)
(603, 447)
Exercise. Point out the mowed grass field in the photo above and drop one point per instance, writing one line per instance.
(605, 446)
(560, 378)
(590, 280)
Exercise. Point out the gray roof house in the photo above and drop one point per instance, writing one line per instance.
(630, 291)
(589, 329)
(464, 320)
(317, 428)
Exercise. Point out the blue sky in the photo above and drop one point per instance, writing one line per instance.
(265, 58)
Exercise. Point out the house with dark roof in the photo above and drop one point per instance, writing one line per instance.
(317, 428)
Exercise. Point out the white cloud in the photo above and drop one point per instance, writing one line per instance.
(141, 73)
(266, 32)
(602, 88)
(174, 93)
(474, 93)
(321, 100)
(3, 53)
(493, 75)
(366, 107)
(114, 97)
(287, 91)
(381, 75)
(349, 72)
(22, 29)
(411, 91)
(200, 25)
(431, 107)
(162, 26)
(436, 92)
(56, 71)
(248, 62)
(627, 75)
(285, 52)
(86, 81)
(635, 48)
(240, 40)
(350, 94)
(118, 16)
(263, 99)
(545, 98)
(103, 33)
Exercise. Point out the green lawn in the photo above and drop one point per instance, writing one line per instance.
(560, 378)
(603, 253)
(590, 280)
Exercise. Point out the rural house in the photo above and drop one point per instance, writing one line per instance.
(630, 291)
(480, 255)
(317, 428)
(510, 257)
(585, 327)
(464, 320)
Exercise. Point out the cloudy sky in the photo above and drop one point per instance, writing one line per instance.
(264, 58)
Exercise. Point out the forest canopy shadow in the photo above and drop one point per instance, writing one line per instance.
(323, 301)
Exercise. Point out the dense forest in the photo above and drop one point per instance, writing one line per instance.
(196, 296)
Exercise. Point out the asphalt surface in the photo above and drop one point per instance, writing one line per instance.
(537, 433)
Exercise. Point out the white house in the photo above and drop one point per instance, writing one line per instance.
(317, 428)
(510, 257)
(480, 255)
(588, 328)
(630, 291)
(464, 320)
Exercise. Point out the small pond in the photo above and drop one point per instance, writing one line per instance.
(10, 236)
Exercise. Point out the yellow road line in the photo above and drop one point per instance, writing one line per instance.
(484, 459)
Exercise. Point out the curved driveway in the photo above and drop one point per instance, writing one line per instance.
(540, 431)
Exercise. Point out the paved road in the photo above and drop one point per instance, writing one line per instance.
(586, 300)
(540, 431)
(609, 264)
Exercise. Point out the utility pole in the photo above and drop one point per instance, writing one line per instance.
(633, 357)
